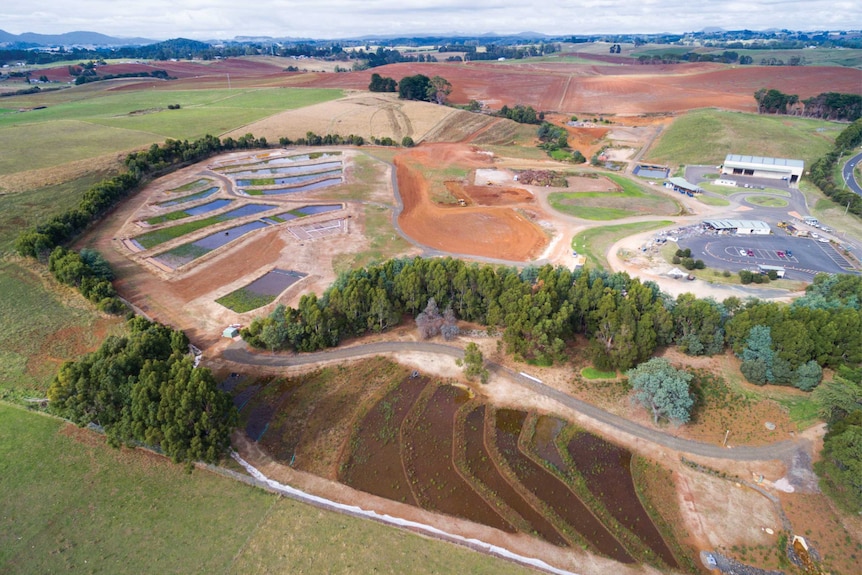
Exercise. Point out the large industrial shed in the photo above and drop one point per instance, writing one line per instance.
(759, 167)
(741, 227)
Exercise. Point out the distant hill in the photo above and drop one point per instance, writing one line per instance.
(69, 39)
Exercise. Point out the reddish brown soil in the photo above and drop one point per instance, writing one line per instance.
(490, 195)
(553, 492)
(374, 462)
(427, 455)
(479, 462)
(606, 470)
(615, 89)
(482, 231)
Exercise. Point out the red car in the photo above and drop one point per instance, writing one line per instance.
(780, 254)
(751, 252)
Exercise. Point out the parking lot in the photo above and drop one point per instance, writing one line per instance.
(806, 257)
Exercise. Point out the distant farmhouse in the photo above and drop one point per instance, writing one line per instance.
(758, 167)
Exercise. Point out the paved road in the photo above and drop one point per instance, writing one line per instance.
(238, 352)
(847, 172)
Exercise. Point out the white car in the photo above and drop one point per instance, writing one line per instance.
(823, 241)
(743, 253)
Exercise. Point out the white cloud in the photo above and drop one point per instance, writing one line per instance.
(211, 19)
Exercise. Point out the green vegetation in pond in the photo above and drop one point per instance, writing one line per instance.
(243, 300)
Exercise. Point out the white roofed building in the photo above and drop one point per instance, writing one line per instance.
(741, 227)
(761, 167)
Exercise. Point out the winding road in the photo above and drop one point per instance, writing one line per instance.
(238, 352)
(847, 173)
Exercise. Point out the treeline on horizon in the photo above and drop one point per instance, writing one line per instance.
(833, 106)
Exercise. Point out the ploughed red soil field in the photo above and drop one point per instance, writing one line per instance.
(614, 89)
(610, 88)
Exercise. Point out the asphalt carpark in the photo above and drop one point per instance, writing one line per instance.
(809, 256)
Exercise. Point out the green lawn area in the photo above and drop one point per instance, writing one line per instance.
(705, 137)
(632, 200)
(78, 124)
(711, 200)
(595, 242)
(767, 201)
(81, 507)
(593, 373)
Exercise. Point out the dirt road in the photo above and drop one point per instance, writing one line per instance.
(238, 352)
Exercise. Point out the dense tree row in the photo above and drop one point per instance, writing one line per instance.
(826, 105)
(542, 309)
(823, 169)
(160, 74)
(143, 388)
(497, 51)
(840, 466)
(90, 273)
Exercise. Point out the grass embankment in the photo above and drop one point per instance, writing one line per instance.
(73, 128)
(595, 242)
(705, 137)
(631, 200)
(141, 514)
(728, 191)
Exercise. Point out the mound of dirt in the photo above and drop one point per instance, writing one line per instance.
(494, 232)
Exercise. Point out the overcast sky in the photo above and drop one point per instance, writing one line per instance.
(225, 19)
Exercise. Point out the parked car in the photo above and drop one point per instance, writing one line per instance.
(780, 254)
(743, 252)
(751, 252)
(823, 241)
(788, 253)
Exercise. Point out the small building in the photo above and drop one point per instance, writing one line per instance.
(683, 186)
(762, 167)
(676, 273)
(765, 269)
(740, 227)
(230, 331)
(580, 261)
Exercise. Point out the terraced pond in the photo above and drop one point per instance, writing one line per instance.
(436, 446)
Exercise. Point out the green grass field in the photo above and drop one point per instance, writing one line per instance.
(632, 200)
(595, 242)
(705, 137)
(77, 506)
(41, 330)
(20, 210)
(78, 124)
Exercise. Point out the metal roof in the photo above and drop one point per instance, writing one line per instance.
(737, 224)
(684, 184)
(778, 162)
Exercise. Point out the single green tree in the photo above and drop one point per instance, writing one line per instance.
(663, 389)
(474, 363)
